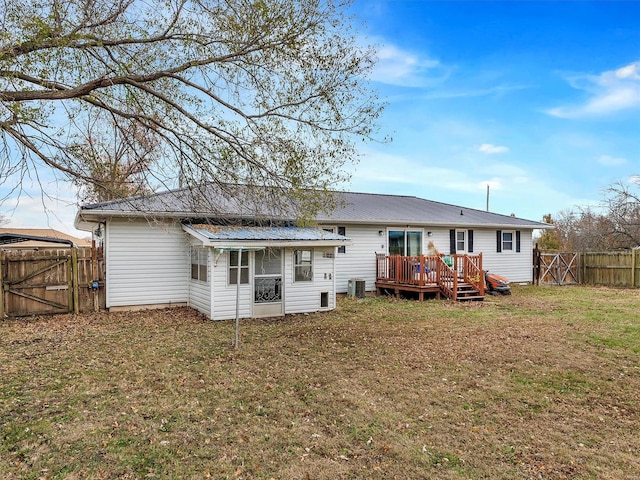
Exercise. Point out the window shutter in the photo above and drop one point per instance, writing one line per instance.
(470, 241)
(517, 240)
(452, 241)
(498, 241)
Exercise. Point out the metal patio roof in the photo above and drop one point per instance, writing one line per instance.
(216, 235)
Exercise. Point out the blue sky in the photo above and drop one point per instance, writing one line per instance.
(539, 100)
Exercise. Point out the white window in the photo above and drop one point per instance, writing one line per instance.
(507, 240)
(302, 265)
(340, 231)
(461, 244)
(243, 267)
(199, 264)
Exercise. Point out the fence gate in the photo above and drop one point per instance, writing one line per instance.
(42, 285)
(555, 268)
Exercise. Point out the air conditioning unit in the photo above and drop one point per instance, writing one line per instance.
(356, 287)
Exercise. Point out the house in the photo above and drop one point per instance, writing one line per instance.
(33, 238)
(252, 260)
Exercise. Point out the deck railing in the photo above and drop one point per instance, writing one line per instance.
(443, 270)
(420, 270)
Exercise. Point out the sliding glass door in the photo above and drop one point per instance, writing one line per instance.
(405, 242)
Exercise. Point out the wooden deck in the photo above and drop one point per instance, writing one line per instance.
(458, 277)
(399, 288)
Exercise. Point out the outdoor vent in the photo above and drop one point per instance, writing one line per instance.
(356, 287)
(328, 255)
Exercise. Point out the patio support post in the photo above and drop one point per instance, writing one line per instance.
(238, 297)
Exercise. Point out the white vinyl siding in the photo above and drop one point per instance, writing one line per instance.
(147, 264)
(298, 297)
(200, 291)
(359, 260)
(516, 266)
(224, 295)
(305, 296)
(200, 296)
(150, 265)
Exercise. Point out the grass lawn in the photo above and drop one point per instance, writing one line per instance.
(542, 384)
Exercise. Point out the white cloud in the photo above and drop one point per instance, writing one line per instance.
(610, 92)
(490, 149)
(403, 68)
(491, 91)
(609, 161)
(630, 71)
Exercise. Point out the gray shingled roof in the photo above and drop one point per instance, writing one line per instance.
(399, 209)
(352, 208)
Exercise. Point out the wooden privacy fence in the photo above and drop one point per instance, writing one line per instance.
(48, 281)
(620, 269)
(611, 268)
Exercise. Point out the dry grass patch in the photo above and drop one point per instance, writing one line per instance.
(542, 384)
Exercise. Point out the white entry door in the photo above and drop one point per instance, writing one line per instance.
(267, 283)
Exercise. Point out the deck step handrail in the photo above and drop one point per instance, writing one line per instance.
(447, 277)
(473, 273)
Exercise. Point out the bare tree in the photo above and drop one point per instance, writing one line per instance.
(614, 225)
(118, 160)
(265, 92)
(583, 229)
(622, 202)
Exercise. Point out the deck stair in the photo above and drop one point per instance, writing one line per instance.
(467, 292)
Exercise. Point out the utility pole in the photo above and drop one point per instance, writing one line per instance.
(487, 197)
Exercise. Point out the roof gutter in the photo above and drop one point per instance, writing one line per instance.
(411, 223)
(256, 244)
(101, 215)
